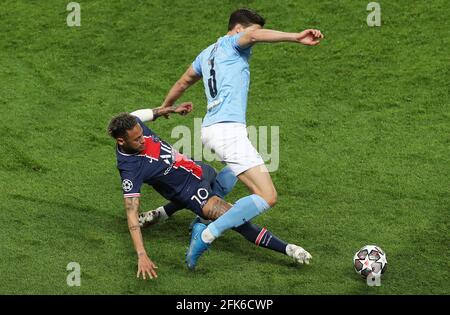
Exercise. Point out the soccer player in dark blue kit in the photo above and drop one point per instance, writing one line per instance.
(143, 157)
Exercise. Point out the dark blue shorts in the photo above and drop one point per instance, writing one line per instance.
(199, 194)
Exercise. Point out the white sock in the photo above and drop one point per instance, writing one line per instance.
(289, 249)
(207, 236)
(163, 214)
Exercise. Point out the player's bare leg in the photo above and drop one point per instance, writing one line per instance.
(258, 180)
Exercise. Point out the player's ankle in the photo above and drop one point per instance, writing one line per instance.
(290, 249)
(162, 214)
(207, 236)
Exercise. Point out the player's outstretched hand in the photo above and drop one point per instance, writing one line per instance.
(146, 267)
(184, 108)
(310, 37)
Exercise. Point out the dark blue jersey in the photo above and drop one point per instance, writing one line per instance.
(171, 174)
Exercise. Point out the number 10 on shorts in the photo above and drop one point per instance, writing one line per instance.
(201, 195)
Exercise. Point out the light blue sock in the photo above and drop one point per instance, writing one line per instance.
(243, 211)
(224, 183)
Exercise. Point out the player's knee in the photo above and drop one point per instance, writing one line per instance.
(271, 198)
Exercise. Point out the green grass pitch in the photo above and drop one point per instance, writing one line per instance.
(364, 124)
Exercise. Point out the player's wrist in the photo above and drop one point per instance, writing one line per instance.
(294, 37)
(171, 109)
(158, 112)
(141, 253)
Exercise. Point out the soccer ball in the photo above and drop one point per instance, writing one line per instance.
(370, 259)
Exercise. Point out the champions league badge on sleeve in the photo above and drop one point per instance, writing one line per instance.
(127, 185)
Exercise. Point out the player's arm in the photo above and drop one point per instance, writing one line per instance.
(187, 79)
(153, 114)
(145, 265)
(310, 37)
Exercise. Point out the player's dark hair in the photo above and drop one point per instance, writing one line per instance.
(120, 124)
(245, 17)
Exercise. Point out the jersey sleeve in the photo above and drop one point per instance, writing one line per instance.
(234, 41)
(144, 115)
(197, 65)
(145, 129)
(131, 184)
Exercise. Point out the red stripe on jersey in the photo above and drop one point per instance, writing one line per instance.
(152, 148)
(189, 165)
(131, 195)
(260, 236)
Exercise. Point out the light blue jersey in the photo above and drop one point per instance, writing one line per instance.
(226, 77)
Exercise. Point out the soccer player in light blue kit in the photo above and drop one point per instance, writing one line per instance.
(224, 68)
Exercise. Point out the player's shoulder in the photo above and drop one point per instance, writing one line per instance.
(207, 50)
(224, 42)
(231, 43)
(140, 122)
(228, 40)
(129, 168)
(126, 162)
(146, 130)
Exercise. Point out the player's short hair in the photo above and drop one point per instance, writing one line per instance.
(245, 17)
(120, 124)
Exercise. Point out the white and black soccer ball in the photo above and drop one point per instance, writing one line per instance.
(370, 259)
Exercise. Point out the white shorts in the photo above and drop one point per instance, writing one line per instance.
(231, 144)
